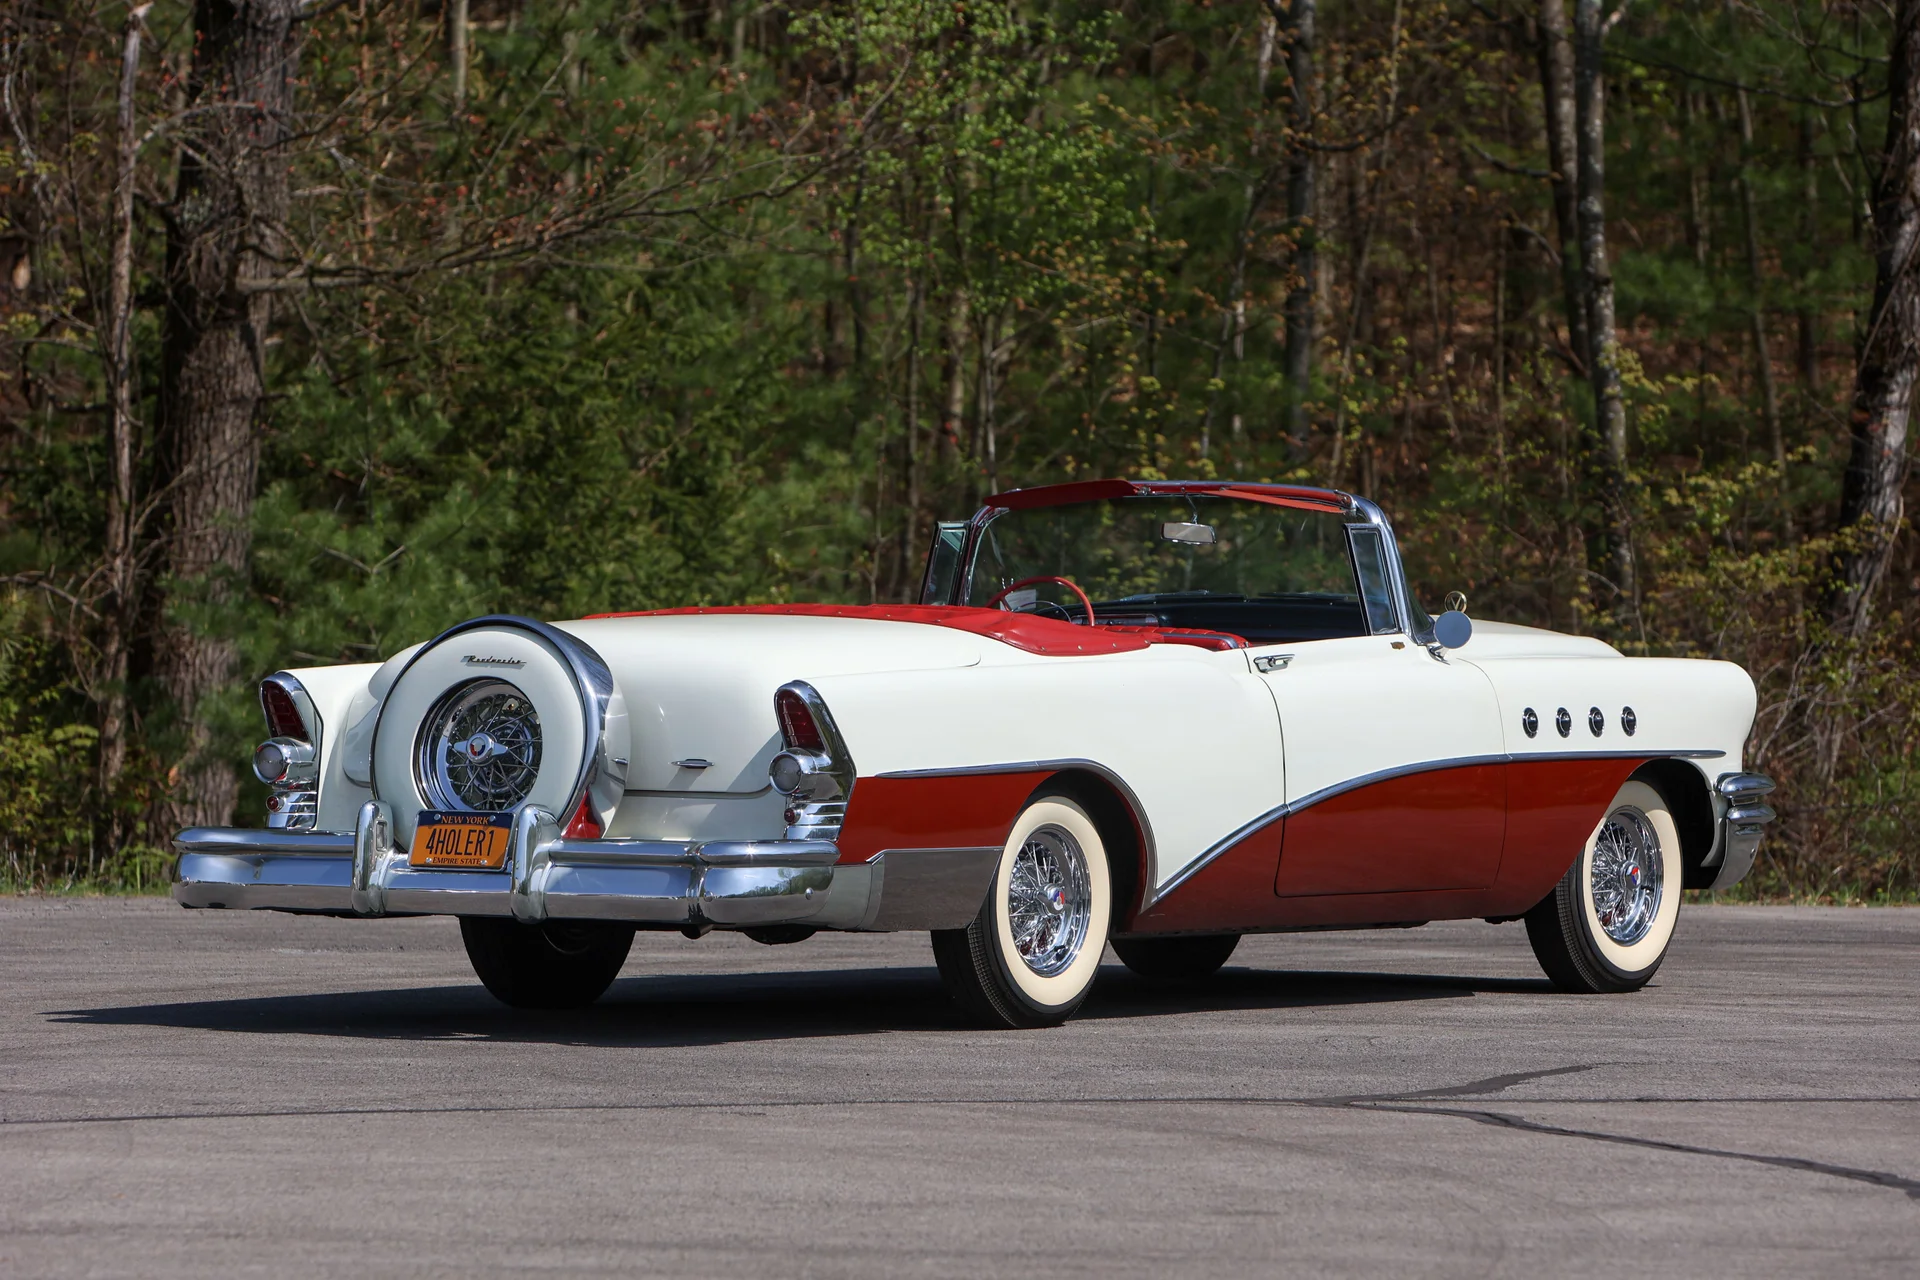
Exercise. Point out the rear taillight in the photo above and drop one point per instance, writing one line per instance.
(797, 726)
(814, 771)
(289, 760)
(585, 824)
(283, 718)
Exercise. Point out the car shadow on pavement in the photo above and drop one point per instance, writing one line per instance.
(699, 1009)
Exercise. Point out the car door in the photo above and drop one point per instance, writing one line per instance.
(1395, 767)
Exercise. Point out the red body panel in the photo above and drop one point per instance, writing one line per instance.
(1440, 829)
(1552, 807)
(1318, 861)
(968, 810)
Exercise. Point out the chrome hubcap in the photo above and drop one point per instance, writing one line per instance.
(1049, 901)
(1626, 876)
(480, 748)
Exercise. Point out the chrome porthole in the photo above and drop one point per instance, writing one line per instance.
(1049, 901)
(1628, 721)
(479, 748)
(1626, 876)
(1596, 721)
(1563, 721)
(1530, 722)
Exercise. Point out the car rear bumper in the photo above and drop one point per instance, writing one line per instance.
(738, 884)
(1744, 815)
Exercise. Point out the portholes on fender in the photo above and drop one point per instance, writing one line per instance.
(1628, 721)
(1563, 721)
(1596, 721)
(1530, 722)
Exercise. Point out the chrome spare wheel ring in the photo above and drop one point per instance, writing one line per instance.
(1626, 876)
(1049, 900)
(479, 748)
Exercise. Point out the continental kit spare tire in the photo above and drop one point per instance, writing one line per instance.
(496, 713)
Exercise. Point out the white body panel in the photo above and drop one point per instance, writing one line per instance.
(1191, 733)
(1354, 708)
(1204, 743)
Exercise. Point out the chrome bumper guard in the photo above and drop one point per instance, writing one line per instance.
(547, 877)
(1742, 824)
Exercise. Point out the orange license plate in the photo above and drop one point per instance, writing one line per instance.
(453, 839)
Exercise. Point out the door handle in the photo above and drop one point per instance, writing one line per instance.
(1270, 662)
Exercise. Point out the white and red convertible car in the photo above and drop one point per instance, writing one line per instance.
(1151, 715)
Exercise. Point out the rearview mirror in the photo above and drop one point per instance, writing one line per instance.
(1194, 535)
(1453, 629)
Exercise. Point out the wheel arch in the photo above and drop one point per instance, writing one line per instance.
(1121, 822)
(1689, 798)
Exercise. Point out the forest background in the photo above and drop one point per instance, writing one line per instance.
(325, 325)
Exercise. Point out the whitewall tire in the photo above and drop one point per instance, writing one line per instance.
(1029, 958)
(1608, 923)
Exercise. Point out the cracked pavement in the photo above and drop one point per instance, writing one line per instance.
(193, 1092)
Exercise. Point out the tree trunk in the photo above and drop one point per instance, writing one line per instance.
(1609, 408)
(1809, 344)
(457, 28)
(1556, 91)
(1871, 506)
(1298, 20)
(120, 605)
(1756, 308)
(223, 235)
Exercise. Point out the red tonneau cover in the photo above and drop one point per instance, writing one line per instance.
(1049, 637)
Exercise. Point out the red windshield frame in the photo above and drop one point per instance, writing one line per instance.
(1302, 497)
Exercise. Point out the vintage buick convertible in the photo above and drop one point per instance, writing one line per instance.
(1155, 715)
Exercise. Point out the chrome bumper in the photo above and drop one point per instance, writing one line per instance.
(737, 884)
(1742, 823)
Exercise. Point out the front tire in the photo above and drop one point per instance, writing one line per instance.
(558, 965)
(1029, 958)
(1607, 924)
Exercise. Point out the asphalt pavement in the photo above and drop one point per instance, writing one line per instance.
(223, 1093)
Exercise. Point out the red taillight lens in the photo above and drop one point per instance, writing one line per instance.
(585, 826)
(797, 725)
(283, 718)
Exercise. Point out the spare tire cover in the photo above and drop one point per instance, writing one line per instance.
(495, 653)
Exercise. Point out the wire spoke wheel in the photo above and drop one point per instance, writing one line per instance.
(1626, 876)
(1030, 954)
(1607, 925)
(1049, 901)
(480, 748)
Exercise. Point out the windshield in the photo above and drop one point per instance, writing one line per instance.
(1255, 569)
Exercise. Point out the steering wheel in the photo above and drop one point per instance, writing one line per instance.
(999, 596)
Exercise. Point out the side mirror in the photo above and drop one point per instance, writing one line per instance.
(1453, 629)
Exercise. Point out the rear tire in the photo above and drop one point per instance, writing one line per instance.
(558, 965)
(1607, 925)
(1172, 960)
(1029, 958)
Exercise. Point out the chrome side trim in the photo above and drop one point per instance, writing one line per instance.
(1149, 852)
(1154, 896)
(1312, 798)
(930, 888)
(602, 776)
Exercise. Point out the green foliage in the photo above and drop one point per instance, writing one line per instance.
(725, 303)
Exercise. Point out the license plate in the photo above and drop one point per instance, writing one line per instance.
(454, 839)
